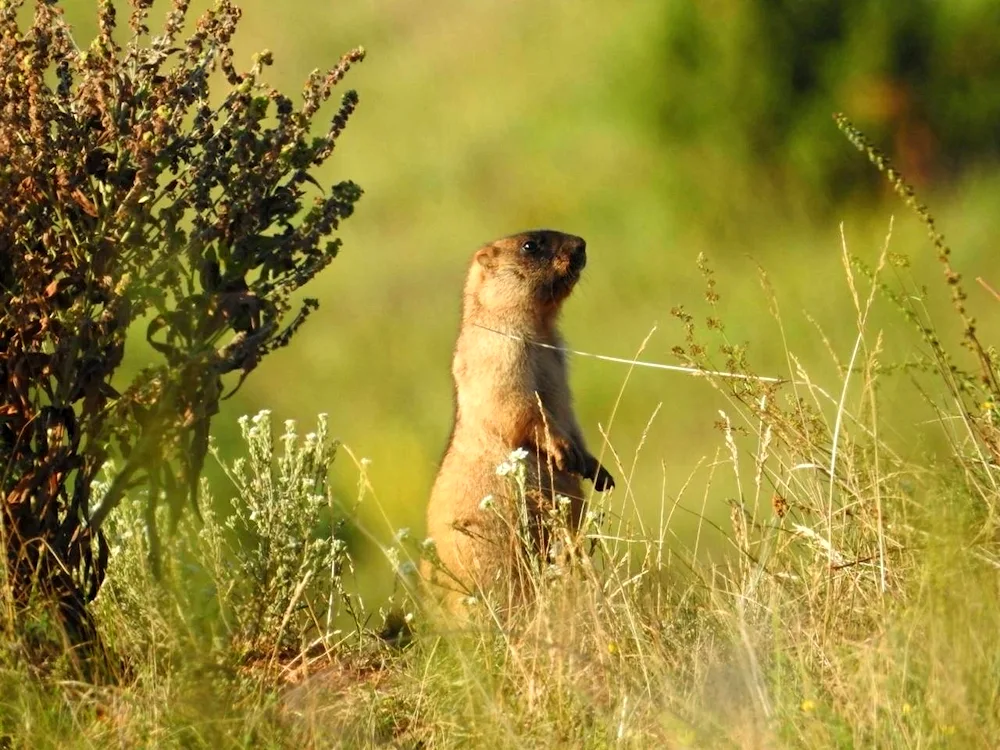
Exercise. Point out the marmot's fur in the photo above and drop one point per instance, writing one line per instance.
(510, 393)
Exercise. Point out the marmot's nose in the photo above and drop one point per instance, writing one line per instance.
(578, 254)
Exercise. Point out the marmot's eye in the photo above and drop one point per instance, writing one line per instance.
(530, 247)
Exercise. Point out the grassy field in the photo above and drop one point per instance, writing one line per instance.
(856, 606)
(861, 615)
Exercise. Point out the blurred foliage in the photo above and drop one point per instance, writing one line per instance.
(753, 84)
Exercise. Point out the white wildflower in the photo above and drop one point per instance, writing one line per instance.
(406, 569)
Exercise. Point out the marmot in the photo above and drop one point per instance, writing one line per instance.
(510, 394)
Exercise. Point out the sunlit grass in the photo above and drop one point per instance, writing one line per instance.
(740, 594)
(834, 592)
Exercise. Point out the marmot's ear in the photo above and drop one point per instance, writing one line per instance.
(487, 257)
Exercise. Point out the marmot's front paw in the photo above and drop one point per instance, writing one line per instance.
(603, 481)
(596, 473)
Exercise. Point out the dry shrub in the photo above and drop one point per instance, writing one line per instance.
(134, 194)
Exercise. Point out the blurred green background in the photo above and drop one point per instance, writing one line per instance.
(656, 130)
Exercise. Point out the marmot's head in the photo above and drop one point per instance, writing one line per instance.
(532, 270)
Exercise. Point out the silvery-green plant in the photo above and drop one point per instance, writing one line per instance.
(262, 581)
(287, 562)
(168, 583)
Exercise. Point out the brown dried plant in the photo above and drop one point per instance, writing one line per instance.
(134, 195)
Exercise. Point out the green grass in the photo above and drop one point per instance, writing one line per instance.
(701, 623)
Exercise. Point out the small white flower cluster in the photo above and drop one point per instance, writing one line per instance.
(406, 569)
(514, 462)
(255, 428)
(402, 568)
